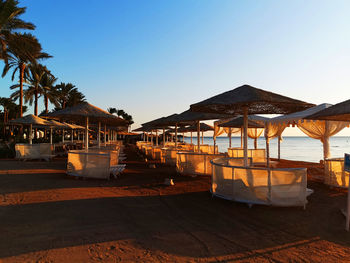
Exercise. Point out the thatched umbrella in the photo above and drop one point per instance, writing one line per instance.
(30, 120)
(189, 117)
(161, 123)
(89, 113)
(246, 100)
(72, 127)
(238, 122)
(203, 127)
(57, 125)
(337, 112)
(150, 128)
(143, 130)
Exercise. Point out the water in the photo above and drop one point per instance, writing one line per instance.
(292, 148)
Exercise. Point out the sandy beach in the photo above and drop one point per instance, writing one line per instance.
(47, 216)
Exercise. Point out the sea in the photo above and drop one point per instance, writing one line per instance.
(292, 148)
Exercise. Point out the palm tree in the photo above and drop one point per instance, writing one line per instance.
(39, 83)
(37, 72)
(75, 97)
(6, 103)
(112, 110)
(63, 91)
(35, 89)
(128, 118)
(23, 48)
(120, 113)
(9, 22)
(68, 95)
(10, 109)
(48, 90)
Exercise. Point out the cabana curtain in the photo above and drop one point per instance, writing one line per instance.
(273, 130)
(254, 133)
(317, 129)
(322, 130)
(220, 130)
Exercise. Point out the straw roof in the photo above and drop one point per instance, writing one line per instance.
(160, 122)
(144, 129)
(253, 122)
(57, 124)
(337, 112)
(258, 101)
(73, 126)
(193, 128)
(185, 118)
(30, 119)
(85, 109)
(191, 117)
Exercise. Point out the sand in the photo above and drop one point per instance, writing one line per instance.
(47, 216)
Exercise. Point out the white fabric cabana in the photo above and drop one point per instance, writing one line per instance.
(247, 100)
(221, 130)
(255, 127)
(337, 112)
(85, 112)
(318, 129)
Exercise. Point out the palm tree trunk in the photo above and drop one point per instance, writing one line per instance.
(21, 76)
(36, 102)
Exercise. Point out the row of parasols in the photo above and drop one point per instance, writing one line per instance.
(81, 114)
(319, 122)
(249, 100)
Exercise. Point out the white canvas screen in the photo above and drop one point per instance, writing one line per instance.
(255, 185)
(335, 174)
(195, 163)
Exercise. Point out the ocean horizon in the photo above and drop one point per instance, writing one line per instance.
(297, 148)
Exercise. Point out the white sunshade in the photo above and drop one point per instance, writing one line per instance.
(317, 129)
(299, 116)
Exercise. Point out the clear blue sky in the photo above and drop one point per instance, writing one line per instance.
(155, 58)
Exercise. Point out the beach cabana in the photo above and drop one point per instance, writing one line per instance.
(255, 129)
(318, 129)
(32, 151)
(337, 112)
(160, 123)
(248, 183)
(203, 127)
(256, 124)
(94, 163)
(246, 100)
(143, 130)
(30, 121)
(85, 112)
(152, 151)
(198, 161)
(169, 154)
(189, 118)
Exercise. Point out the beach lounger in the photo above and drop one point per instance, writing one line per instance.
(41, 151)
(117, 170)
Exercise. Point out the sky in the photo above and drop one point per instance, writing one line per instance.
(154, 58)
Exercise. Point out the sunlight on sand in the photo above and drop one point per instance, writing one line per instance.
(69, 194)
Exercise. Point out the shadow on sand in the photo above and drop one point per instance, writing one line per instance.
(191, 225)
